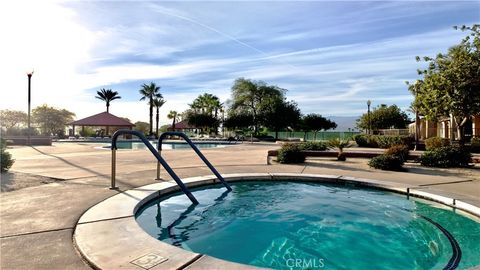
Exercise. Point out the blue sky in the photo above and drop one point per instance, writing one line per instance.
(331, 56)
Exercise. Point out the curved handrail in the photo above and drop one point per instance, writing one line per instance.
(195, 148)
(155, 153)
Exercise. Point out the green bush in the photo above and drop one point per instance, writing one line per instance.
(436, 142)
(475, 144)
(400, 151)
(364, 140)
(340, 145)
(385, 141)
(382, 141)
(290, 153)
(387, 163)
(314, 146)
(446, 157)
(6, 160)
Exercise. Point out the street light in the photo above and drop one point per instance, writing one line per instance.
(368, 116)
(29, 74)
(415, 87)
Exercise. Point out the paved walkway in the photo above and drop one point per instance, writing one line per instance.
(37, 222)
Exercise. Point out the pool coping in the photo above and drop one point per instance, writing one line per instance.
(103, 234)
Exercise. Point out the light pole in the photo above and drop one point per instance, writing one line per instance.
(416, 117)
(29, 75)
(368, 116)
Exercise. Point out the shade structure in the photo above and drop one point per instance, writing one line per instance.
(103, 119)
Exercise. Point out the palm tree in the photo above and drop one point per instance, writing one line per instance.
(107, 95)
(340, 144)
(158, 102)
(150, 92)
(173, 115)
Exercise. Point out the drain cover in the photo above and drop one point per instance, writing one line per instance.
(149, 260)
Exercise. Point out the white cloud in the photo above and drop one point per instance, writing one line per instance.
(75, 47)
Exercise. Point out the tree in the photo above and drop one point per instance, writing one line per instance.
(249, 97)
(107, 95)
(383, 117)
(50, 120)
(201, 120)
(279, 114)
(315, 122)
(207, 103)
(240, 121)
(451, 83)
(204, 112)
(158, 102)
(141, 126)
(164, 128)
(12, 119)
(150, 92)
(174, 116)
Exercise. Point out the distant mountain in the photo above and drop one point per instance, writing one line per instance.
(344, 122)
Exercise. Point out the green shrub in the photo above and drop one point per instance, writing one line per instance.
(385, 141)
(340, 145)
(446, 157)
(6, 160)
(364, 140)
(314, 146)
(475, 144)
(400, 151)
(382, 141)
(387, 163)
(290, 153)
(436, 142)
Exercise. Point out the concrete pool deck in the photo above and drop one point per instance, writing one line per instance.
(37, 223)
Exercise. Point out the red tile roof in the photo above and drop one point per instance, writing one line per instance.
(102, 119)
(182, 125)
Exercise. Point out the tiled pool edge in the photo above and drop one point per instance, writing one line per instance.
(104, 233)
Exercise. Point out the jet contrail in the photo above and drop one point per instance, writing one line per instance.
(160, 10)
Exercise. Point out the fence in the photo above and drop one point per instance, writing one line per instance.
(310, 136)
(394, 132)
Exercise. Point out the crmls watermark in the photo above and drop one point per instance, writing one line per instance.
(305, 263)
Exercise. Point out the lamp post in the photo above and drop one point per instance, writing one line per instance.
(368, 116)
(416, 117)
(29, 75)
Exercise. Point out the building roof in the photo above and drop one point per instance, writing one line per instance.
(103, 119)
(182, 125)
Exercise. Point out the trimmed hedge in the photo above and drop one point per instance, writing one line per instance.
(382, 141)
(475, 144)
(290, 153)
(389, 141)
(6, 160)
(387, 163)
(436, 142)
(400, 151)
(446, 157)
(364, 140)
(313, 146)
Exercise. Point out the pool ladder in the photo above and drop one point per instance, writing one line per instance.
(161, 161)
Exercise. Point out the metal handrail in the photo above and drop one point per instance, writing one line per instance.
(195, 148)
(155, 153)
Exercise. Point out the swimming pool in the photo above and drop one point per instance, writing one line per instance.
(168, 145)
(299, 225)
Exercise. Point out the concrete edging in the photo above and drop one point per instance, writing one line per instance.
(103, 234)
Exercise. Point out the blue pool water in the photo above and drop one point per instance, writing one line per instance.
(167, 145)
(299, 225)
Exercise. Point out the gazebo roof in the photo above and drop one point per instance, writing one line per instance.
(103, 119)
(182, 125)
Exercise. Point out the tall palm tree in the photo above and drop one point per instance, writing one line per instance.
(107, 95)
(173, 115)
(158, 102)
(150, 92)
